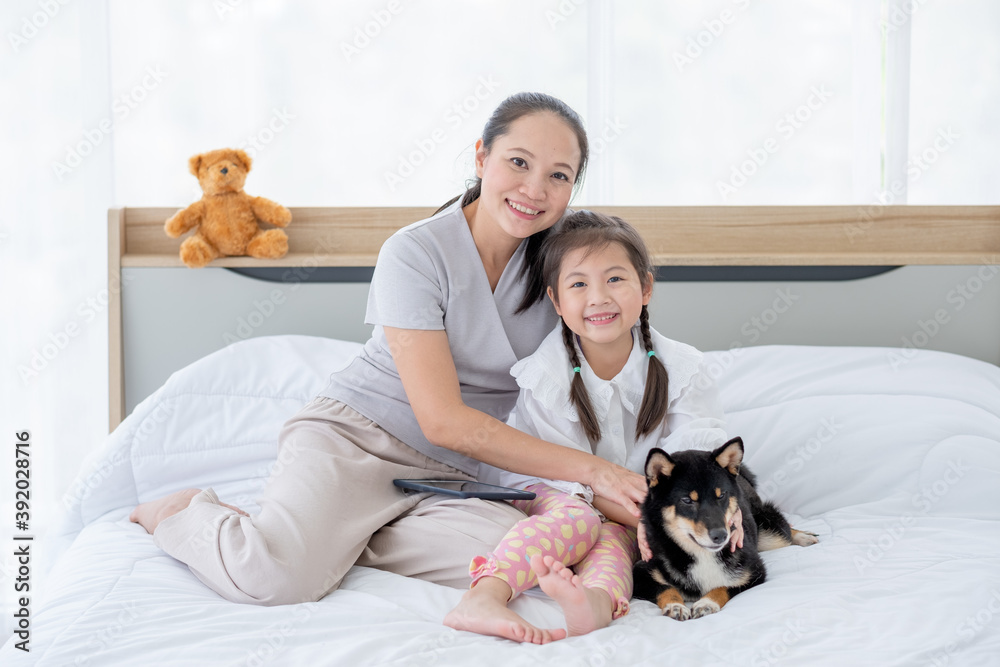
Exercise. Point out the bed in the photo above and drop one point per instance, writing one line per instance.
(897, 468)
(892, 456)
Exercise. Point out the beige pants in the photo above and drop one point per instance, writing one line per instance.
(330, 503)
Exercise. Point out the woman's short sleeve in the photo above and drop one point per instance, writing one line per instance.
(408, 286)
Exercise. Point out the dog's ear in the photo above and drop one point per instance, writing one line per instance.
(730, 455)
(658, 464)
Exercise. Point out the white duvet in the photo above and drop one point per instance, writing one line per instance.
(893, 459)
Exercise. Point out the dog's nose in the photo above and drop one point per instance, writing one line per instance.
(225, 170)
(718, 535)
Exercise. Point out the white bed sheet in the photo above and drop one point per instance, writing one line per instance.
(894, 460)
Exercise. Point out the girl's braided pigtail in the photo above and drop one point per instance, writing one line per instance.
(654, 397)
(578, 392)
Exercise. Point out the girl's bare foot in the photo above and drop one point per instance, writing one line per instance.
(586, 609)
(150, 514)
(483, 609)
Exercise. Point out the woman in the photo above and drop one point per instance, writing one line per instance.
(425, 398)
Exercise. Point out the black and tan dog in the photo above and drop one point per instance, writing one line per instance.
(687, 513)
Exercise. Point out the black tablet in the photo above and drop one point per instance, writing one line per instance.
(460, 489)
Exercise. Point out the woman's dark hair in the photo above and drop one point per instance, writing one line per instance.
(595, 231)
(511, 109)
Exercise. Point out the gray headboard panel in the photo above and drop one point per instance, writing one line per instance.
(163, 316)
(173, 316)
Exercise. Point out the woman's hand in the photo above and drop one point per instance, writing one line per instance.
(736, 539)
(619, 485)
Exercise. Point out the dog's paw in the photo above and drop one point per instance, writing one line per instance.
(704, 607)
(677, 611)
(804, 538)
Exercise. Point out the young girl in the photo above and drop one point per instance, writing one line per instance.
(603, 382)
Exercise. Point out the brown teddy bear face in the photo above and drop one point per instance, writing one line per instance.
(221, 171)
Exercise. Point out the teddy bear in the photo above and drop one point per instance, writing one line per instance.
(226, 217)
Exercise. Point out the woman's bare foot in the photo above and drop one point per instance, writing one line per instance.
(483, 609)
(586, 609)
(150, 514)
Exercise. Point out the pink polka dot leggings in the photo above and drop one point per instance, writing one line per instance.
(571, 531)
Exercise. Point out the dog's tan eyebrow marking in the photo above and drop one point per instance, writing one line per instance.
(694, 496)
(718, 493)
(734, 505)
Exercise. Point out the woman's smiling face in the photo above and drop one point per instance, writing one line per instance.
(528, 175)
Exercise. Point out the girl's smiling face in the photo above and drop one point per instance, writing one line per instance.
(528, 175)
(600, 296)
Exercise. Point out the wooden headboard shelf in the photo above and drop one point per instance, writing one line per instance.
(860, 235)
(677, 235)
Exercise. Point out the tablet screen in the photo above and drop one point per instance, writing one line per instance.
(463, 489)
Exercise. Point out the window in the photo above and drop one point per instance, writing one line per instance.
(720, 102)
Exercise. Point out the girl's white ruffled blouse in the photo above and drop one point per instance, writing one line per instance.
(694, 419)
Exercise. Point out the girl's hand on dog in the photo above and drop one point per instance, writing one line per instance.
(736, 539)
(645, 553)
